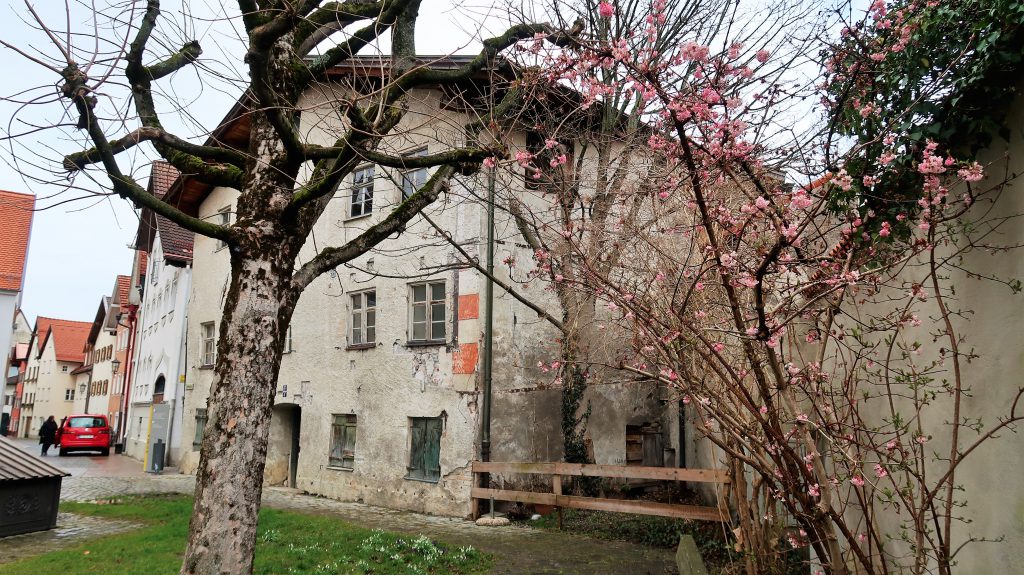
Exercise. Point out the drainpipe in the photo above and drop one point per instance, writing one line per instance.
(122, 424)
(485, 432)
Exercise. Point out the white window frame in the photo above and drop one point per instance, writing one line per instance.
(362, 318)
(208, 336)
(223, 217)
(362, 192)
(413, 179)
(428, 304)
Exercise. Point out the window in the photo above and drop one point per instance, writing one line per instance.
(69, 394)
(64, 368)
(209, 343)
(413, 180)
(200, 427)
(159, 386)
(425, 448)
(362, 192)
(343, 442)
(428, 312)
(288, 340)
(364, 318)
(223, 217)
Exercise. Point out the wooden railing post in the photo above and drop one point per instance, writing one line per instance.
(556, 484)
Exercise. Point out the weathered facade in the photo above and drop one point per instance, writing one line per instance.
(379, 393)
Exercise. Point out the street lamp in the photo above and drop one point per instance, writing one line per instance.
(115, 364)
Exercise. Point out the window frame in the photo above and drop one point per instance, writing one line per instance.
(288, 341)
(365, 202)
(364, 325)
(208, 339)
(201, 418)
(430, 429)
(428, 319)
(404, 175)
(224, 219)
(348, 425)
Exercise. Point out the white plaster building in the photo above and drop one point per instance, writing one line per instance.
(159, 371)
(379, 389)
(55, 352)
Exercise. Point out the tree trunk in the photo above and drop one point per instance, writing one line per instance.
(229, 481)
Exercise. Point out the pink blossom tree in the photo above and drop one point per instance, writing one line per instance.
(794, 290)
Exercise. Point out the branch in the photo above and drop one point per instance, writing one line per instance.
(79, 160)
(319, 66)
(332, 18)
(508, 289)
(460, 155)
(74, 89)
(330, 258)
(140, 78)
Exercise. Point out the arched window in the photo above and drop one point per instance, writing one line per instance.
(158, 387)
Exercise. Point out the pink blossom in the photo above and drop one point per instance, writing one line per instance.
(606, 10)
(761, 202)
(886, 230)
(803, 418)
(814, 490)
(763, 410)
(971, 173)
(921, 440)
(559, 277)
(857, 480)
(718, 347)
(523, 158)
(490, 162)
(762, 56)
(734, 50)
(880, 471)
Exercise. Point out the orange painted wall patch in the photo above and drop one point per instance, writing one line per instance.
(464, 360)
(469, 306)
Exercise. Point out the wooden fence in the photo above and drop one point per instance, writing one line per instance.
(559, 500)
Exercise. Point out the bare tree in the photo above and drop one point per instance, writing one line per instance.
(277, 206)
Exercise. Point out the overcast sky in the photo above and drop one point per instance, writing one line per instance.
(77, 248)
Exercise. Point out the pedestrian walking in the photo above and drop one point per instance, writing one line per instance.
(47, 433)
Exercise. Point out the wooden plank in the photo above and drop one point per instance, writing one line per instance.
(618, 471)
(614, 505)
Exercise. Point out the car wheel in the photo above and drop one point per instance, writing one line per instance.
(63, 452)
(105, 452)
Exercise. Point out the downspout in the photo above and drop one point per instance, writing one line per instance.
(485, 431)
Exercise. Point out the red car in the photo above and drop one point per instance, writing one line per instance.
(84, 433)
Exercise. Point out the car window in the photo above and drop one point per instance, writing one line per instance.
(87, 422)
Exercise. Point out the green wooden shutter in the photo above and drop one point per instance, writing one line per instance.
(432, 449)
(416, 467)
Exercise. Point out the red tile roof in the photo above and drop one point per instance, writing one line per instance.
(124, 284)
(161, 177)
(175, 241)
(16, 217)
(69, 337)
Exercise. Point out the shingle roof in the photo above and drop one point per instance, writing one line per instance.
(69, 337)
(161, 177)
(175, 241)
(16, 217)
(124, 284)
(16, 464)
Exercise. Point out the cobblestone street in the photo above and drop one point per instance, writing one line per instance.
(520, 550)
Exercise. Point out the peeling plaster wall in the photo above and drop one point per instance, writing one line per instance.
(990, 326)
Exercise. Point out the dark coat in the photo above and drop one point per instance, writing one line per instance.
(48, 431)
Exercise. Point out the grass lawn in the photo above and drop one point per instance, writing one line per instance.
(287, 543)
